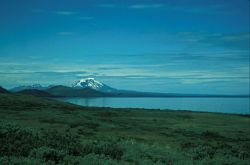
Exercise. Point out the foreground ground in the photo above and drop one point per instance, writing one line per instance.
(42, 131)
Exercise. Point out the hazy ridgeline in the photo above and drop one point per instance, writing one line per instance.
(42, 131)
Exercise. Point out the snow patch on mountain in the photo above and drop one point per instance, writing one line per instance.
(93, 84)
(88, 82)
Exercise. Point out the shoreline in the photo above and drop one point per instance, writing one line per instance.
(142, 107)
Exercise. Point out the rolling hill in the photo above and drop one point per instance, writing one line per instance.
(35, 92)
(64, 91)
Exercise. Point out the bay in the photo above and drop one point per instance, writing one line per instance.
(224, 105)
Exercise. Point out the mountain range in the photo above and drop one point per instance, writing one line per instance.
(34, 86)
(89, 87)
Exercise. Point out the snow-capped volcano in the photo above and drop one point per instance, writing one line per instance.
(93, 84)
(88, 82)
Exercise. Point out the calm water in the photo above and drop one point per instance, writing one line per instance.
(226, 105)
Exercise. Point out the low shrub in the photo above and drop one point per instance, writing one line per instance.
(16, 141)
(12, 160)
(27, 146)
(48, 154)
(91, 159)
(211, 135)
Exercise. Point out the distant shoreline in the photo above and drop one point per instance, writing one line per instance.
(217, 105)
(201, 96)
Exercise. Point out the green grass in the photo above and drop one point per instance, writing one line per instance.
(43, 131)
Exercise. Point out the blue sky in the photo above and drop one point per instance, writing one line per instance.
(182, 46)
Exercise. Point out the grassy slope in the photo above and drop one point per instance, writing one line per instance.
(124, 136)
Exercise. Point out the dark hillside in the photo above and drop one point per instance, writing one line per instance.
(2, 90)
(35, 92)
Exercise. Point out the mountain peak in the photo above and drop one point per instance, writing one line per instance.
(93, 84)
(87, 82)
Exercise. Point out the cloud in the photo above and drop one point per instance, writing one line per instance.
(134, 6)
(146, 6)
(65, 13)
(193, 9)
(108, 68)
(27, 72)
(201, 56)
(238, 41)
(210, 9)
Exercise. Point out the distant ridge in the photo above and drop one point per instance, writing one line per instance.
(2, 90)
(35, 92)
(34, 86)
(64, 91)
(89, 87)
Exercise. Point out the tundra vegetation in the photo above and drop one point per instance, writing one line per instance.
(43, 131)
